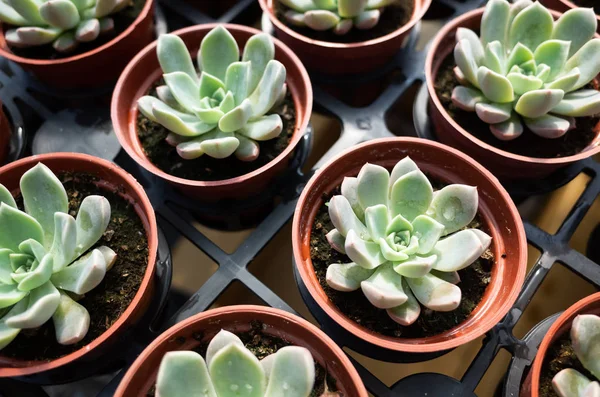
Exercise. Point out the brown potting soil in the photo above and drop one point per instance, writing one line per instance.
(474, 281)
(528, 144)
(392, 18)
(108, 301)
(123, 19)
(152, 136)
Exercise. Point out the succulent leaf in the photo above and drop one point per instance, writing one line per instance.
(579, 106)
(364, 253)
(71, 321)
(60, 14)
(184, 374)
(493, 113)
(554, 54)
(267, 92)
(509, 129)
(373, 185)
(534, 104)
(41, 303)
(6, 197)
(83, 275)
(435, 293)
(531, 27)
(346, 277)
(17, 227)
(577, 26)
(585, 337)
(407, 313)
(384, 288)
(173, 56)
(587, 59)
(411, 195)
(454, 206)
(457, 251)
(218, 50)
(88, 30)
(494, 86)
(236, 369)
(292, 373)
(259, 51)
(494, 22)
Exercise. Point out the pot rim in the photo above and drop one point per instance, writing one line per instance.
(564, 318)
(299, 129)
(398, 344)
(214, 314)
(152, 235)
(7, 53)
(418, 13)
(430, 81)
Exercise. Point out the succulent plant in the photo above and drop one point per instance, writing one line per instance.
(231, 369)
(390, 227)
(525, 68)
(225, 109)
(64, 23)
(585, 339)
(339, 15)
(44, 258)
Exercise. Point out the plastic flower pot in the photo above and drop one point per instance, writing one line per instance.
(503, 164)
(562, 326)
(95, 68)
(111, 178)
(189, 334)
(344, 58)
(5, 132)
(563, 6)
(444, 164)
(144, 70)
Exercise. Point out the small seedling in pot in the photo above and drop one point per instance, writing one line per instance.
(585, 339)
(224, 110)
(230, 369)
(337, 15)
(391, 227)
(45, 257)
(63, 23)
(526, 69)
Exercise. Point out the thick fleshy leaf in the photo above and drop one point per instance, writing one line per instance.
(519, 55)
(221, 146)
(88, 30)
(532, 26)
(351, 8)
(5, 266)
(71, 321)
(585, 338)
(209, 85)
(494, 86)
(384, 288)
(577, 26)
(238, 79)
(207, 114)
(334, 238)
(553, 53)
(294, 18)
(407, 313)
(326, 4)
(43, 195)
(192, 148)
(35, 278)
(452, 277)
(19, 261)
(180, 123)
(321, 19)
(105, 7)
(268, 90)
(389, 253)
(494, 57)
(174, 56)
(248, 150)
(60, 14)
(579, 106)
(587, 59)
(10, 16)
(523, 83)
(8, 334)
(92, 220)
(107, 25)
(411, 195)
(184, 89)
(373, 185)
(466, 98)
(33, 249)
(10, 294)
(454, 206)
(592, 390)
(259, 50)
(6, 197)
(66, 42)
(539, 102)
(349, 190)
(110, 256)
(457, 251)
(83, 275)
(428, 231)
(367, 19)
(415, 266)
(165, 95)
(570, 382)
(343, 27)
(236, 369)
(476, 47)
(237, 118)
(228, 103)
(17, 227)
(221, 340)
(28, 9)
(41, 305)
(346, 277)
(543, 72)
(565, 82)
(509, 129)
(292, 373)
(493, 113)
(183, 374)
(217, 51)
(344, 219)
(263, 129)
(376, 218)
(465, 60)
(364, 253)
(434, 293)
(494, 22)
(458, 74)
(402, 168)
(516, 8)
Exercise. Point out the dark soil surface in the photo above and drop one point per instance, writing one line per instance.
(392, 18)
(528, 144)
(474, 281)
(126, 236)
(588, 3)
(123, 19)
(560, 356)
(152, 136)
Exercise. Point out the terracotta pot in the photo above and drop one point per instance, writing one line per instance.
(344, 58)
(184, 336)
(5, 133)
(589, 305)
(563, 6)
(111, 178)
(448, 165)
(144, 70)
(95, 68)
(505, 165)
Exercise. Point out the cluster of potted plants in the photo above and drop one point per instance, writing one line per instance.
(412, 246)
